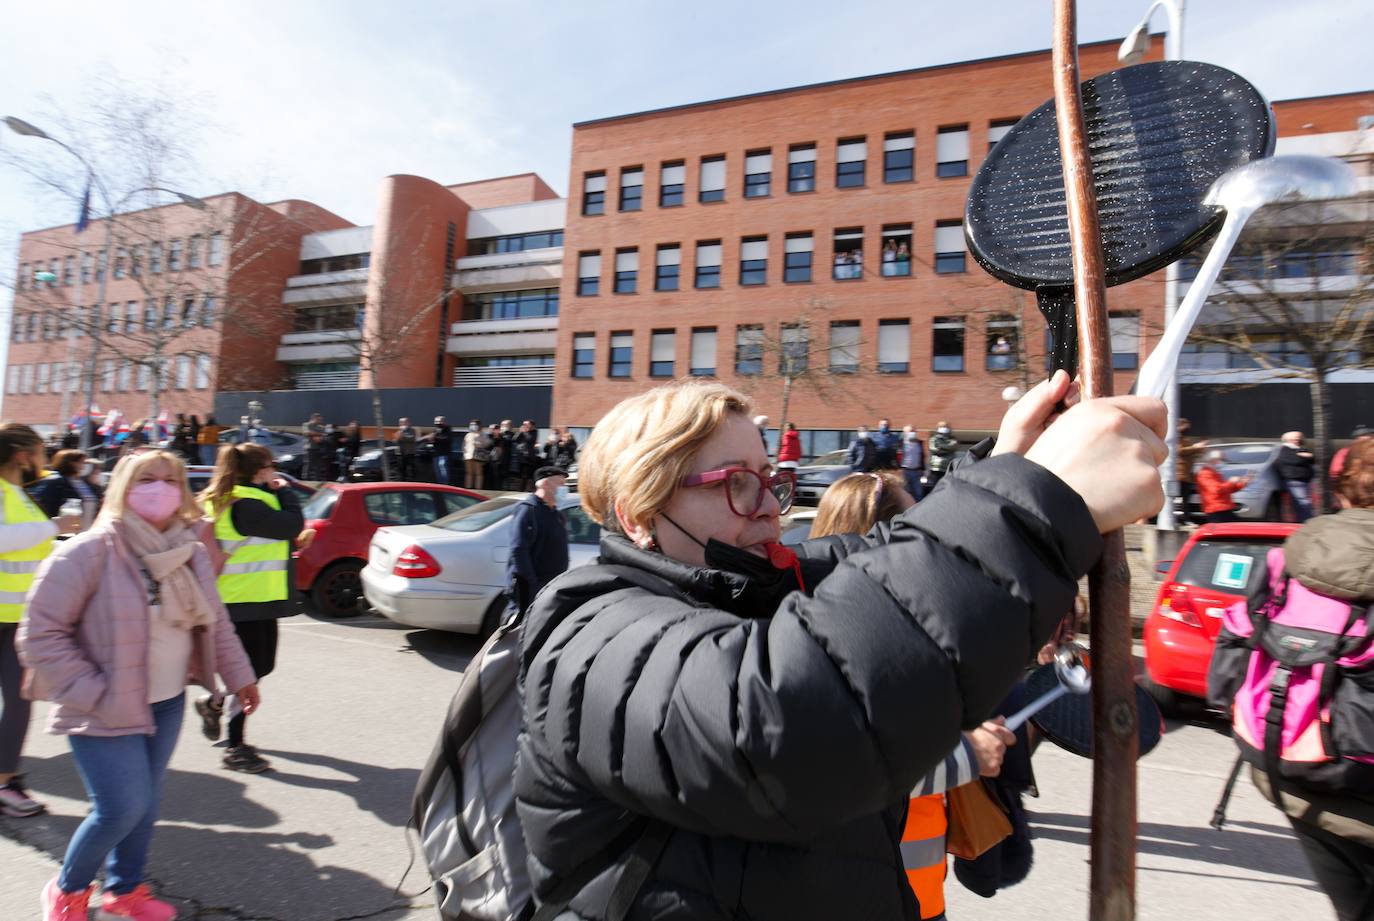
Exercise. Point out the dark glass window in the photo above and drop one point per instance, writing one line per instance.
(631, 190)
(753, 271)
(801, 174)
(335, 264)
(712, 179)
(897, 250)
(622, 354)
(584, 355)
(514, 243)
(666, 276)
(511, 305)
(757, 185)
(586, 287)
(849, 171)
(947, 344)
(594, 194)
(671, 185)
(899, 157)
(797, 262)
(749, 350)
(708, 276)
(626, 273)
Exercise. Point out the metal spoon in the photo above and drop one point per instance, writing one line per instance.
(1241, 192)
(1073, 676)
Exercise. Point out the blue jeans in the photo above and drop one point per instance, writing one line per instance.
(1302, 499)
(123, 775)
(208, 454)
(913, 481)
(441, 469)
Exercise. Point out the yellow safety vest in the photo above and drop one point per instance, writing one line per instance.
(18, 566)
(255, 568)
(923, 852)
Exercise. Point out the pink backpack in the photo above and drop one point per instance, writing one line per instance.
(1296, 673)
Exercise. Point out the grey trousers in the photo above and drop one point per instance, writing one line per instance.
(14, 718)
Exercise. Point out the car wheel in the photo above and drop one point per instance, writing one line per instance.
(1170, 701)
(493, 618)
(338, 591)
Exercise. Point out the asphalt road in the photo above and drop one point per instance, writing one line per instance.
(351, 713)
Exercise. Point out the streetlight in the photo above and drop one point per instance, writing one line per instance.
(21, 127)
(1132, 49)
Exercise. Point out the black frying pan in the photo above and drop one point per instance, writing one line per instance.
(1068, 721)
(1160, 134)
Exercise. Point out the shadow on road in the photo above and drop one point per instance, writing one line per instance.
(451, 651)
(1265, 849)
(384, 792)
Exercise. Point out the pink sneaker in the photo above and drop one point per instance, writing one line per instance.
(138, 905)
(65, 906)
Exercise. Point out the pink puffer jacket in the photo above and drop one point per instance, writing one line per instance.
(85, 636)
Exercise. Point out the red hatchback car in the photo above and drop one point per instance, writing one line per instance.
(345, 516)
(1218, 566)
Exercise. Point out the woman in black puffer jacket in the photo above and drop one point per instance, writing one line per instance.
(769, 717)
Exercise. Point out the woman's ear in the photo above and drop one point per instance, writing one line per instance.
(641, 535)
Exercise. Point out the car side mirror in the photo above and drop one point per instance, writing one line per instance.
(1163, 566)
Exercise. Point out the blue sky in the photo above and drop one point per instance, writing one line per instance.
(319, 100)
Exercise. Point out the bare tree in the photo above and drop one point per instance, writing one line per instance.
(1295, 303)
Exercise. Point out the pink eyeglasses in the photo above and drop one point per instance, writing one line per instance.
(745, 488)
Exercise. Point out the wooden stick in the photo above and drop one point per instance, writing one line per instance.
(1115, 743)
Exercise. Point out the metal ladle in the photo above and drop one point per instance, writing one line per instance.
(1241, 192)
(1073, 676)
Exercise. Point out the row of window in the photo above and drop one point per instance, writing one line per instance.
(175, 312)
(183, 372)
(851, 169)
(327, 319)
(792, 349)
(1334, 258)
(893, 259)
(129, 262)
(511, 305)
(515, 243)
(345, 263)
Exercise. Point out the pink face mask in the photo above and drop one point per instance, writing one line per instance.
(155, 502)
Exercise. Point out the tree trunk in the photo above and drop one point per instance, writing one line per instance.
(786, 401)
(381, 431)
(1321, 442)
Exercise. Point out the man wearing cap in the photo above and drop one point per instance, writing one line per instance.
(539, 547)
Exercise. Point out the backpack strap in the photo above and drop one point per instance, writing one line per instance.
(646, 838)
(1273, 727)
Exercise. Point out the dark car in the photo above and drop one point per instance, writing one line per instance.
(815, 478)
(287, 448)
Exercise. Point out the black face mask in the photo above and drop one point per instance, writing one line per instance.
(769, 578)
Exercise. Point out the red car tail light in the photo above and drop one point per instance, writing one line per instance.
(1176, 604)
(414, 563)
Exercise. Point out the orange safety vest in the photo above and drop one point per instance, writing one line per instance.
(923, 852)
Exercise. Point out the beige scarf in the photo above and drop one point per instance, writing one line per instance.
(166, 555)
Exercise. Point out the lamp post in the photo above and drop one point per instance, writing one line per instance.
(103, 264)
(1133, 48)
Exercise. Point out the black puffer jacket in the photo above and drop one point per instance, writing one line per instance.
(776, 742)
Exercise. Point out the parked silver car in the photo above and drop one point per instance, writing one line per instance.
(1262, 498)
(451, 575)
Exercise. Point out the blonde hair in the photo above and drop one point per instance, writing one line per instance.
(641, 449)
(126, 473)
(855, 503)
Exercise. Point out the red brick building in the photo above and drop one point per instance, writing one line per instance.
(722, 238)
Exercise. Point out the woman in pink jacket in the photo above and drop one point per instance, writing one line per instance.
(118, 618)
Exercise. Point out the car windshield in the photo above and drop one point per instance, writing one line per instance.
(1236, 567)
(1246, 454)
(830, 459)
(479, 516)
(321, 505)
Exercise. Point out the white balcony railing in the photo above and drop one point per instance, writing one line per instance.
(510, 376)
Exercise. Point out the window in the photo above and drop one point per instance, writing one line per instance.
(17, 329)
(402, 507)
(849, 163)
(748, 349)
(712, 179)
(136, 261)
(68, 270)
(899, 157)
(22, 281)
(1003, 336)
(797, 252)
(849, 253)
(668, 267)
(188, 311)
(801, 168)
(896, 250)
(155, 258)
(202, 372)
(13, 385)
(207, 315)
(25, 378)
(844, 347)
(33, 327)
(41, 385)
(588, 274)
(86, 323)
(626, 271)
(87, 267)
(347, 262)
(193, 252)
(594, 194)
(114, 319)
(498, 305)
(622, 354)
(169, 313)
(183, 372)
(121, 261)
(513, 243)
(174, 256)
(672, 179)
(894, 346)
(758, 173)
(216, 255)
(947, 344)
(150, 314)
(998, 129)
(145, 377)
(796, 347)
(708, 264)
(949, 247)
(662, 350)
(753, 261)
(126, 371)
(632, 189)
(584, 355)
(703, 359)
(55, 270)
(951, 152)
(1125, 333)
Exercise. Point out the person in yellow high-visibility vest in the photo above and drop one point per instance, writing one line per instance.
(256, 520)
(26, 539)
